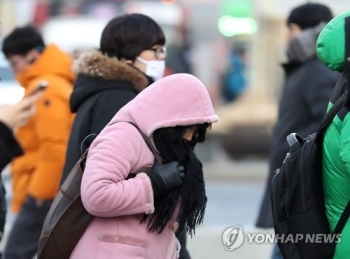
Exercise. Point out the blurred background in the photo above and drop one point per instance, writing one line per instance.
(234, 46)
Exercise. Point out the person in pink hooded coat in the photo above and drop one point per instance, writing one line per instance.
(137, 217)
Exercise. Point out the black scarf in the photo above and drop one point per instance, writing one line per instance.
(169, 142)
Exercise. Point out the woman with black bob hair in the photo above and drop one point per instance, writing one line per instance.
(131, 57)
(143, 182)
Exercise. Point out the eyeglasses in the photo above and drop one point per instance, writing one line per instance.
(160, 52)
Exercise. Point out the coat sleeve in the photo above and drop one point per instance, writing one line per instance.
(9, 147)
(319, 84)
(52, 127)
(113, 155)
(345, 143)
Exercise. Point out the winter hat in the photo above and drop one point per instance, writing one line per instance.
(309, 15)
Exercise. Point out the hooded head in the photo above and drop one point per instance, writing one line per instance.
(331, 43)
(176, 100)
(169, 112)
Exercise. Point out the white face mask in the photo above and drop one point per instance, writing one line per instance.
(154, 68)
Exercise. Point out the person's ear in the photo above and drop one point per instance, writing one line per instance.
(31, 60)
(32, 56)
(127, 61)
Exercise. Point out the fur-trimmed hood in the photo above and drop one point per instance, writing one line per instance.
(95, 64)
(97, 72)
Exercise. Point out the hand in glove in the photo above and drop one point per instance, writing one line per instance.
(164, 177)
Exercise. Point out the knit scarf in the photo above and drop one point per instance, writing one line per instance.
(169, 142)
(303, 46)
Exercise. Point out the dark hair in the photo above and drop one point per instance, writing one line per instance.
(128, 35)
(309, 15)
(21, 40)
(172, 147)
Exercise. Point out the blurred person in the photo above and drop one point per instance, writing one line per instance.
(136, 216)
(335, 149)
(307, 89)
(130, 58)
(36, 175)
(11, 117)
(177, 60)
(233, 80)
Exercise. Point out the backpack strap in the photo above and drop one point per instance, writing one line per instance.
(347, 47)
(343, 219)
(329, 116)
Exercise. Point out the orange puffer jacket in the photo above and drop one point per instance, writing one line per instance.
(44, 138)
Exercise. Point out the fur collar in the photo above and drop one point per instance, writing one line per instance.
(95, 64)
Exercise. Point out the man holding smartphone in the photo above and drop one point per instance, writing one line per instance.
(12, 117)
(36, 175)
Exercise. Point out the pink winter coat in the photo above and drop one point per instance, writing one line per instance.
(119, 204)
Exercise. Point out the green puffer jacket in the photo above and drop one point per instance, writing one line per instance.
(336, 145)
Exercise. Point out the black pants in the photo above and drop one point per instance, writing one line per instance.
(23, 239)
(182, 237)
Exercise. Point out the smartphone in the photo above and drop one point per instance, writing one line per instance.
(41, 87)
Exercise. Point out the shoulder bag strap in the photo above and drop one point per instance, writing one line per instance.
(148, 142)
(145, 138)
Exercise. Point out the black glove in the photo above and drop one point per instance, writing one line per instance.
(164, 177)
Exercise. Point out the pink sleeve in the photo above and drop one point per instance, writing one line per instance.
(112, 156)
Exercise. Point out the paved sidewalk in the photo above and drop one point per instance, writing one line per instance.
(228, 170)
(230, 203)
(207, 244)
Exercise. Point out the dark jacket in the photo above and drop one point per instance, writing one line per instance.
(103, 86)
(9, 148)
(303, 103)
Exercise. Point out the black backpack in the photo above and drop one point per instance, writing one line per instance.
(300, 222)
